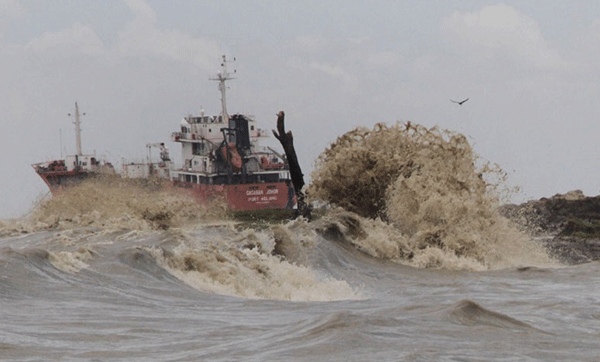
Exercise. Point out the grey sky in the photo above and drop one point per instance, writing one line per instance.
(137, 67)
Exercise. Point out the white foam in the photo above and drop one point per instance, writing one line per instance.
(244, 265)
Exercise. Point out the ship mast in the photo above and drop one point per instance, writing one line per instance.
(222, 77)
(77, 123)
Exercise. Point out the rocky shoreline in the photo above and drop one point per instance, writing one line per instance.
(568, 225)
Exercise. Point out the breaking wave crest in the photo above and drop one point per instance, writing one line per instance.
(415, 195)
(247, 264)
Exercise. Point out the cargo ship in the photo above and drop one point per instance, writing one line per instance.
(73, 169)
(221, 158)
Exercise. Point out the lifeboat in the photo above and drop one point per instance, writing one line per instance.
(235, 160)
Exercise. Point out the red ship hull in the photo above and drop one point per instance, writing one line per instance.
(253, 196)
(57, 180)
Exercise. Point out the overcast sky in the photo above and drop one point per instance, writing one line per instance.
(530, 69)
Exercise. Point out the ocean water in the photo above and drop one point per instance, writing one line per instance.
(423, 269)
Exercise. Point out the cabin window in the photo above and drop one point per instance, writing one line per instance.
(197, 148)
(252, 128)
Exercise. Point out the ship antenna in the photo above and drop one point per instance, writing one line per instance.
(222, 77)
(60, 141)
(77, 123)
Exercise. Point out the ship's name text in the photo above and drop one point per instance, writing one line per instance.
(261, 192)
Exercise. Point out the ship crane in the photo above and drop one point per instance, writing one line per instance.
(164, 151)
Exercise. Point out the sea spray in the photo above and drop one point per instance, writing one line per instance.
(195, 242)
(419, 199)
(124, 204)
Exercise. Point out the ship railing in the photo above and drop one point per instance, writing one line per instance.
(134, 161)
(267, 151)
(143, 161)
(176, 136)
(40, 167)
(57, 165)
(262, 151)
(269, 160)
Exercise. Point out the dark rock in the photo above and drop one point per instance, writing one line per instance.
(569, 224)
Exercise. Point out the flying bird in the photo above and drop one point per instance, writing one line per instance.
(459, 103)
